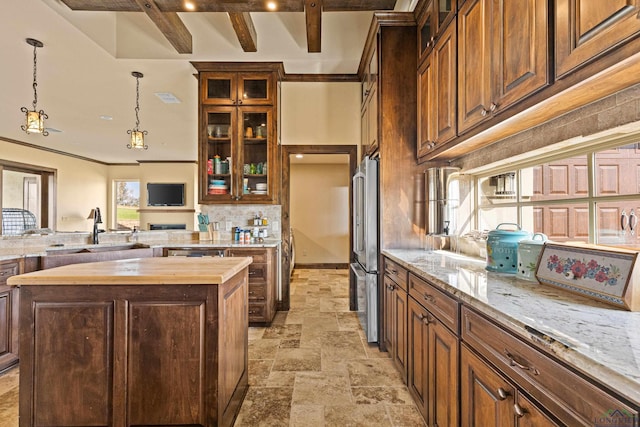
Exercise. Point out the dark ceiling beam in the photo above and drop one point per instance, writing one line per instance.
(170, 25)
(313, 16)
(229, 5)
(245, 31)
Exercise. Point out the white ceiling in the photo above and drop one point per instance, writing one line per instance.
(84, 72)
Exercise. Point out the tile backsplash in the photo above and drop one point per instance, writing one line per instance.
(242, 216)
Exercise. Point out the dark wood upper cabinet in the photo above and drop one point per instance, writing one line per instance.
(433, 17)
(238, 128)
(502, 56)
(587, 29)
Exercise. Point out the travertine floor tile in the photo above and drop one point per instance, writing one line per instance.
(321, 388)
(356, 416)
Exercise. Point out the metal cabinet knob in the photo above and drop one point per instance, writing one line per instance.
(519, 410)
(502, 394)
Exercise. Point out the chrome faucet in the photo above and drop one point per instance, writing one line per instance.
(97, 219)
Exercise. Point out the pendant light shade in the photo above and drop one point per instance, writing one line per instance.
(34, 119)
(137, 135)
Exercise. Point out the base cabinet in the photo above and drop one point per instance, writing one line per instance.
(394, 324)
(262, 282)
(432, 367)
(9, 299)
(127, 355)
(487, 399)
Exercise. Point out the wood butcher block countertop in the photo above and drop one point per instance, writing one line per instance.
(139, 271)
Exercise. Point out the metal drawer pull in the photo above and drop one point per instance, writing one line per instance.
(519, 410)
(514, 362)
(391, 287)
(3, 273)
(430, 298)
(502, 394)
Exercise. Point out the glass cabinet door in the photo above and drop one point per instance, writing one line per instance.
(254, 89)
(219, 89)
(426, 31)
(220, 153)
(255, 139)
(446, 10)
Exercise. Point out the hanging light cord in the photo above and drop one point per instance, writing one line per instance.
(137, 109)
(35, 82)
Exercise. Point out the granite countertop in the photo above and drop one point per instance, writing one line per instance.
(599, 340)
(139, 271)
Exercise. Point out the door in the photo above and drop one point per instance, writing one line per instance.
(486, 398)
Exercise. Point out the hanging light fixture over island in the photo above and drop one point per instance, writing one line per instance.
(137, 135)
(34, 118)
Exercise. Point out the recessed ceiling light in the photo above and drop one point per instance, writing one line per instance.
(189, 5)
(168, 97)
(272, 5)
(299, 156)
(106, 117)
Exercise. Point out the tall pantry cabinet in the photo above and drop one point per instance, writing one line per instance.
(239, 157)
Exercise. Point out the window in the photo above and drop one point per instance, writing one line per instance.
(127, 203)
(26, 197)
(592, 197)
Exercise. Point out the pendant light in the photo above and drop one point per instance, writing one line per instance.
(137, 135)
(34, 118)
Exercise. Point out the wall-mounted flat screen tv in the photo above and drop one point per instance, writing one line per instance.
(165, 194)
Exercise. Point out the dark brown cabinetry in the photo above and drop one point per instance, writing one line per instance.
(437, 94)
(502, 56)
(127, 355)
(587, 29)
(487, 399)
(369, 114)
(545, 380)
(395, 315)
(262, 282)
(9, 299)
(238, 145)
(433, 17)
(433, 352)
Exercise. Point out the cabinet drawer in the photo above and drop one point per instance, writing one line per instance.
(257, 312)
(396, 273)
(441, 305)
(257, 292)
(258, 273)
(258, 255)
(8, 269)
(571, 398)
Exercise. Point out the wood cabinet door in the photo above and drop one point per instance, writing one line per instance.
(520, 50)
(387, 315)
(474, 63)
(529, 415)
(426, 113)
(418, 356)
(372, 121)
(8, 326)
(400, 330)
(443, 375)
(486, 399)
(445, 84)
(255, 89)
(218, 88)
(586, 29)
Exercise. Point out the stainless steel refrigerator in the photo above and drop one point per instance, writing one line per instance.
(364, 269)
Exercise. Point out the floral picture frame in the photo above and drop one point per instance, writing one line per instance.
(602, 273)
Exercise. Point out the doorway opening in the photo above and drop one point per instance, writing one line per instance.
(323, 190)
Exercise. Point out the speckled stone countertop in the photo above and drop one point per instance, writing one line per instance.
(601, 341)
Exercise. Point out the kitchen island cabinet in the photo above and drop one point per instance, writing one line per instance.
(155, 341)
(525, 355)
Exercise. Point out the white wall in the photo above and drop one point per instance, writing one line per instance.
(81, 185)
(320, 113)
(320, 212)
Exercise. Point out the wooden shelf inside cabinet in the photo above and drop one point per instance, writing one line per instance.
(220, 139)
(167, 210)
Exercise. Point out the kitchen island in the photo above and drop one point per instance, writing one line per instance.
(154, 341)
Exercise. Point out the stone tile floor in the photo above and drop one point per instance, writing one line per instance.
(311, 367)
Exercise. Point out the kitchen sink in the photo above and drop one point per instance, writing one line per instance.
(94, 253)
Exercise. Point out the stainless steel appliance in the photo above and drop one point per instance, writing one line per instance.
(364, 269)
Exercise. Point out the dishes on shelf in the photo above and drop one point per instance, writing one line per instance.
(261, 186)
(258, 192)
(217, 182)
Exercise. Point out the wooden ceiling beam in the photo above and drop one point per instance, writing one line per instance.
(245, 31)
(313, 16)
(170, 25)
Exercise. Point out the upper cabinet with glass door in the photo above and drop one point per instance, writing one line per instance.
(238, 149)
(234, 88)
(433, 18)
